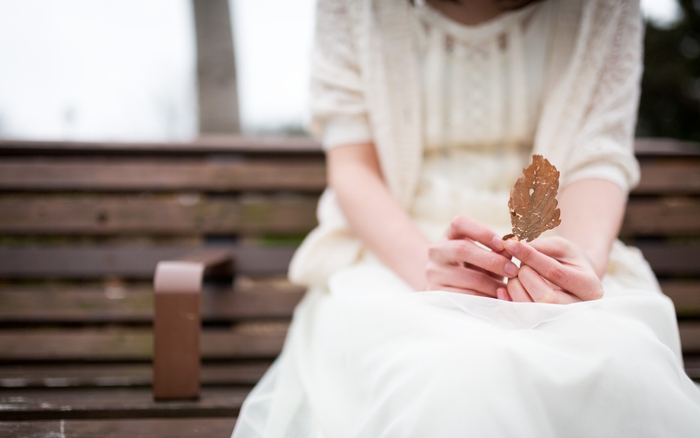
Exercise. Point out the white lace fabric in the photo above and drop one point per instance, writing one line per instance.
(482, 91)
(482, 85)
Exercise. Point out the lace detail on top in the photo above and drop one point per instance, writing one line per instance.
(482, 88)
(482, 84)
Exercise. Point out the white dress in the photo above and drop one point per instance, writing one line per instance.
(367, 357)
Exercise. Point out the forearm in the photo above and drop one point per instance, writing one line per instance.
(374, 215)
(591, 215)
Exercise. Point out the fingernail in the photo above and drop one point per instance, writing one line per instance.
(512, 246)
(497, 243)
(511, 269)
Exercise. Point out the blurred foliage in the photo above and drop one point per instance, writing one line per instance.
(670, 102)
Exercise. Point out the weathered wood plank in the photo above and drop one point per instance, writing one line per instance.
(98, 403)
(205, 144)
(244, 341)
(185, 214)
(261, 340)
(665, 147)
(107, 375)
(121, 428)
(126, 261)
(117, 302)
(690, 337)
(667, 216)
(138, 262)
(669, 259)
(692, 367)
(189, 214)
(668, 176)
(151, 174)
(266, 144)
(685, 295)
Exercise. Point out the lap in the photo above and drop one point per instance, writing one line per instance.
(370, 358)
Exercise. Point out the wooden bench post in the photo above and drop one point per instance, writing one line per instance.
(176, 329)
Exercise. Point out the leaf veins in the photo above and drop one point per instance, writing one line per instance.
(533, 200)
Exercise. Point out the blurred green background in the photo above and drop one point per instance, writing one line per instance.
(670, 102)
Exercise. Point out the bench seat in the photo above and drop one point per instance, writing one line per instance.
(83, 225)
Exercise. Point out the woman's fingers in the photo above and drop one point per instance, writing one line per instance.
(459, 252)
(540, 291)
(478, 269)
(459, 263)
(502, 294)
(575, 275)
(464, 227)
(517, 292)
(555, 247)
(448, 277)
(546, 266)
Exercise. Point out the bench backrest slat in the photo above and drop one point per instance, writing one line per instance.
(226, 174)
(156, 215)
(126, 261)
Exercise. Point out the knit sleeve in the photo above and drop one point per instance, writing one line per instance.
(604, 146)
(337, 102)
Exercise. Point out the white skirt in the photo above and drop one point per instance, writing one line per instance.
(370, 358)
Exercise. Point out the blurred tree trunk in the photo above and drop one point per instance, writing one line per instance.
(216, 68)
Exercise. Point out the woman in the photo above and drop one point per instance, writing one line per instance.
(428, 114)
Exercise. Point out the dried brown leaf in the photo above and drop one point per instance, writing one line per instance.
(533, 200)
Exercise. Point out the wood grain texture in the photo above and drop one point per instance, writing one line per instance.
(666, 216)
(119, 302)
(669, 259)
(250, 341)
(204, 144)
(138, 262)
(82, 351)
(153, 174)
(127, 261)
(692, 367)
(669, 147)
(207, 143)
(97, 403)
(184, 214)
(115, 375)
(669, 176)
(243, 341)
(685, 295)
(122, 428)
(690, 337)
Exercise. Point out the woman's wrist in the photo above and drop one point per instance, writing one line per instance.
(596, 252)
(409, 261)
(599, 260)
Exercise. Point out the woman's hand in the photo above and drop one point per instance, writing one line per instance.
(456, 263)
(553, 270)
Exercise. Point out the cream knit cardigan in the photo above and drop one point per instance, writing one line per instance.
(365, 80)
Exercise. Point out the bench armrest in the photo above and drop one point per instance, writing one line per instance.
(177, 321)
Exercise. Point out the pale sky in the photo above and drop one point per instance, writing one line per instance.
(663, 13)
(125, 70)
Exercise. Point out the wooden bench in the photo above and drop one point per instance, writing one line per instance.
(83, 226)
